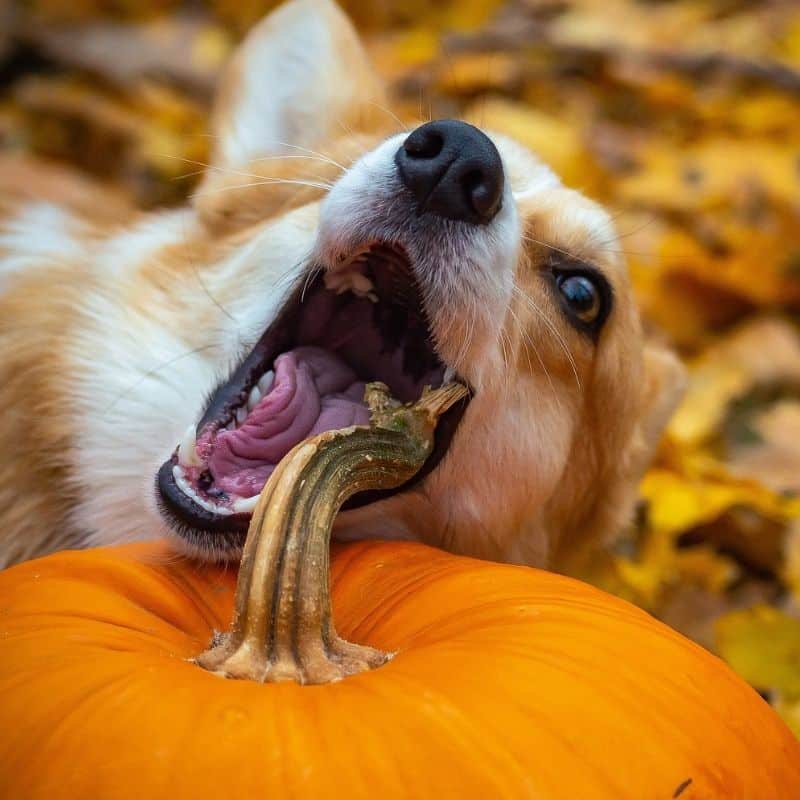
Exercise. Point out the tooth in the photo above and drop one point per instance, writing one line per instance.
(245, 505)
(241, 415)
(187, 489)
(254, 398)
(449, 374)
(212, 507)
(187, 449)
(360, 284)
(334, 281)
(265, 384)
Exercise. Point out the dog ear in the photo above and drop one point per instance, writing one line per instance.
(663, 385)
(300, 76)
(662, 390)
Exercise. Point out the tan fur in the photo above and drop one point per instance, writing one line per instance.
(546, 462)
(37, 313)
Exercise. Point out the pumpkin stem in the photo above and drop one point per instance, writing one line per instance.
(282, 627)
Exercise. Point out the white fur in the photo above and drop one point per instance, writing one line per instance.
(39, 236)
(137, 385)
(134, 246)
(284, 97)
(140, 379)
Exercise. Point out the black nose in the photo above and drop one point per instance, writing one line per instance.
(453, 170)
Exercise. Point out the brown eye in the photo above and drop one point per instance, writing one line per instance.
(583, 292)
(581, 297)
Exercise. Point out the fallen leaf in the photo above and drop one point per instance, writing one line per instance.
(763, 645)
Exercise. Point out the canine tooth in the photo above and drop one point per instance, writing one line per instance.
(183, 484)
(265, 384)
(241, 415)
(245, 505)
(253, 399)
(187, 449)
(449, 374)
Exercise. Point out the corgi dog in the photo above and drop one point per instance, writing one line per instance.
(154, 368)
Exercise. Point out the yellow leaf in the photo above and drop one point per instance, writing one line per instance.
(413, 47)
(791, 567)
(761, 352)
(712, 174)
(763, 645)
(211, 47)
(558, 142)
(773, 457)
(705, 567)
(677, 503)
(469, 73)
(790, 711)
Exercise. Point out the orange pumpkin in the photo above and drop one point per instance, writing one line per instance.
(507, 683)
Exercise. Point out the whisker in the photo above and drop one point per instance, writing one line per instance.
(206, 167)
(265, 182)
(312, 274)
(473, 316)
(183, 176)
(291, 273)
(390, 113)
(551, 327)
(309, 157)
(527, 337)
(196, 271)
(345, 127)
(312, 152)
(155, 370)
(505, 341)
(577, 257)
(549, 246)
(641, 227)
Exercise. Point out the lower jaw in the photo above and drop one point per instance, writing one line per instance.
(221, 537)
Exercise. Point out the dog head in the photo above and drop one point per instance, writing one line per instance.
(335, 250)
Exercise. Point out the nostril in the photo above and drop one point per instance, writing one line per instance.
(483, 193)
(424, 144)
(472, 180)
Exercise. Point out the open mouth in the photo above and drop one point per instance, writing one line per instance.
(363, 321)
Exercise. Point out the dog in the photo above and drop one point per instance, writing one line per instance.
(155, 367)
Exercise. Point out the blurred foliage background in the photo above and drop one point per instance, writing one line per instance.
(683, 117)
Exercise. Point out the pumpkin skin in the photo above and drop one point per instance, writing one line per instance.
(508, 683)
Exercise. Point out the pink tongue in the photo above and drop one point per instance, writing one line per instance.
(314, 391)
